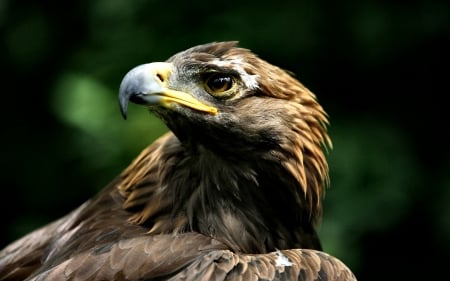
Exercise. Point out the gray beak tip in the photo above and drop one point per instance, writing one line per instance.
(123, 104)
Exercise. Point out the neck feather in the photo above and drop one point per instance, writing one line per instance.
(252, 206)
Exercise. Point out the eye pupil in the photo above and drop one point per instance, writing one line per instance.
(219, 83)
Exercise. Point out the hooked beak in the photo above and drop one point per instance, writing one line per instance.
(146, 84)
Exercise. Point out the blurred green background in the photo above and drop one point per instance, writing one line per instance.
(380, 69)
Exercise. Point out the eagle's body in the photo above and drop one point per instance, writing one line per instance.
(233, 192)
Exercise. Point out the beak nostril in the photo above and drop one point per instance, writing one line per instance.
(160, 77)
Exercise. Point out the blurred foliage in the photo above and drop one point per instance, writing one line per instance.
(87, 106)
(374, 65)
(372, 168)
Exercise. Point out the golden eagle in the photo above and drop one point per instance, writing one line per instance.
(232, 192)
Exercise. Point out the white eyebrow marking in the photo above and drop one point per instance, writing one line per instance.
(250, 81)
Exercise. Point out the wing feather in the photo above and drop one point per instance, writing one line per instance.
(141, 258)
(193, 257)
(304, 265)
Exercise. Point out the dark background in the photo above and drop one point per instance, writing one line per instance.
(380, 69)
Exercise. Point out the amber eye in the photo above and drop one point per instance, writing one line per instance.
(219, 84)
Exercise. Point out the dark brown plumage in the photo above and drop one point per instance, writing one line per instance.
(233, 192)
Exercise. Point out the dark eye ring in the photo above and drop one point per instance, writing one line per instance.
(219, 84)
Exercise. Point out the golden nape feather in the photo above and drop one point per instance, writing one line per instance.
(233, 192)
